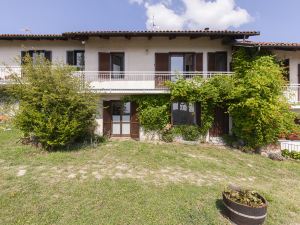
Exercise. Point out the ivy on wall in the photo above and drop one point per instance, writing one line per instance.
(153, 110)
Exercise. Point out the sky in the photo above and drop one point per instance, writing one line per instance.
(277, 20)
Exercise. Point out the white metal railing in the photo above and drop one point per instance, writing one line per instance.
(292, 93)
(124, 80)
(6, 72)
(137, 80)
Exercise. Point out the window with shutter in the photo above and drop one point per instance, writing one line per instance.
(37, 53)
(76, 58)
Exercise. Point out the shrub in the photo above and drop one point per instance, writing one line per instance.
(56, 108)
(290, 154)
(257, 104)
(167, 136)
(188, 132)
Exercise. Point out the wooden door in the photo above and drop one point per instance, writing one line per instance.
(107, 118)
(134, 122)
(221, 123)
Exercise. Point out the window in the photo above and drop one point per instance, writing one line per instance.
(35, 54)
(117, 65)
(183, 113)
(76, 58)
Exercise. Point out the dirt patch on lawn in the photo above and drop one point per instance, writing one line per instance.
(113, 168)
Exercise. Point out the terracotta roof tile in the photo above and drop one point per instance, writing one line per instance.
(279, 45)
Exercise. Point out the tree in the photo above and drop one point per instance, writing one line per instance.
(56, 108)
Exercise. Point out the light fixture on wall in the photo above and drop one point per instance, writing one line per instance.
(147, 51)
(83, 42)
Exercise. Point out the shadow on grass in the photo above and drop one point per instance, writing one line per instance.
(221, 207)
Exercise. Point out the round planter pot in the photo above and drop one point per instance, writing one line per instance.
(245, 215)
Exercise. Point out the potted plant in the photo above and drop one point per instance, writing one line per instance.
(244, 207)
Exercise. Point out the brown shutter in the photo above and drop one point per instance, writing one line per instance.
(221, 61)
(211, 61)
(104, 65)
(107, 118)
(298, 73)
(48, 55)
(221, 123)
(161, 65)
(70, 58)
(199, 62)
(134, 122)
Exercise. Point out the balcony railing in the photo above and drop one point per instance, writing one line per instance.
(5, 73)
(292, 93)
(130, 81)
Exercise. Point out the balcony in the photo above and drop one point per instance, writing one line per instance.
(5, 73)
(123, 82)
(292, 93)
(137, 81)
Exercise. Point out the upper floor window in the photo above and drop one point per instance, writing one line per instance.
(183, 113)
(76, 58)
(36, 54)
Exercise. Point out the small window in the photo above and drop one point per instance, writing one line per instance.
(117, 65)
(76, 58)
(183, 113)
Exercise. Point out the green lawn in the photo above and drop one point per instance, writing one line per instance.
(137, 183)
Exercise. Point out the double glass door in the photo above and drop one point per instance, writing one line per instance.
(121, 118)
(181, 64)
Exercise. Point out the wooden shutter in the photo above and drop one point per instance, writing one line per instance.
(23, 54)
(211, 62)
(107, 123)
(199, 62)
(221, 61)
(134, 122)
(221, 123)
(161, 65)
(286, 64)
(298, 73)
(104, 65)
(48, 55)
(70, 58)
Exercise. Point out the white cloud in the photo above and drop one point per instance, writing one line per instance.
(197, 14)
(164, 18)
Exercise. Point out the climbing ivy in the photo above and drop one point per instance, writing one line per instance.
(253, 96)
(210, 93)
(153, 110)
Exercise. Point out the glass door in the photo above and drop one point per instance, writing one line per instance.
(177, 62)
(121, 118)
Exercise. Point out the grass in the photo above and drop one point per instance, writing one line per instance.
(137, 183)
